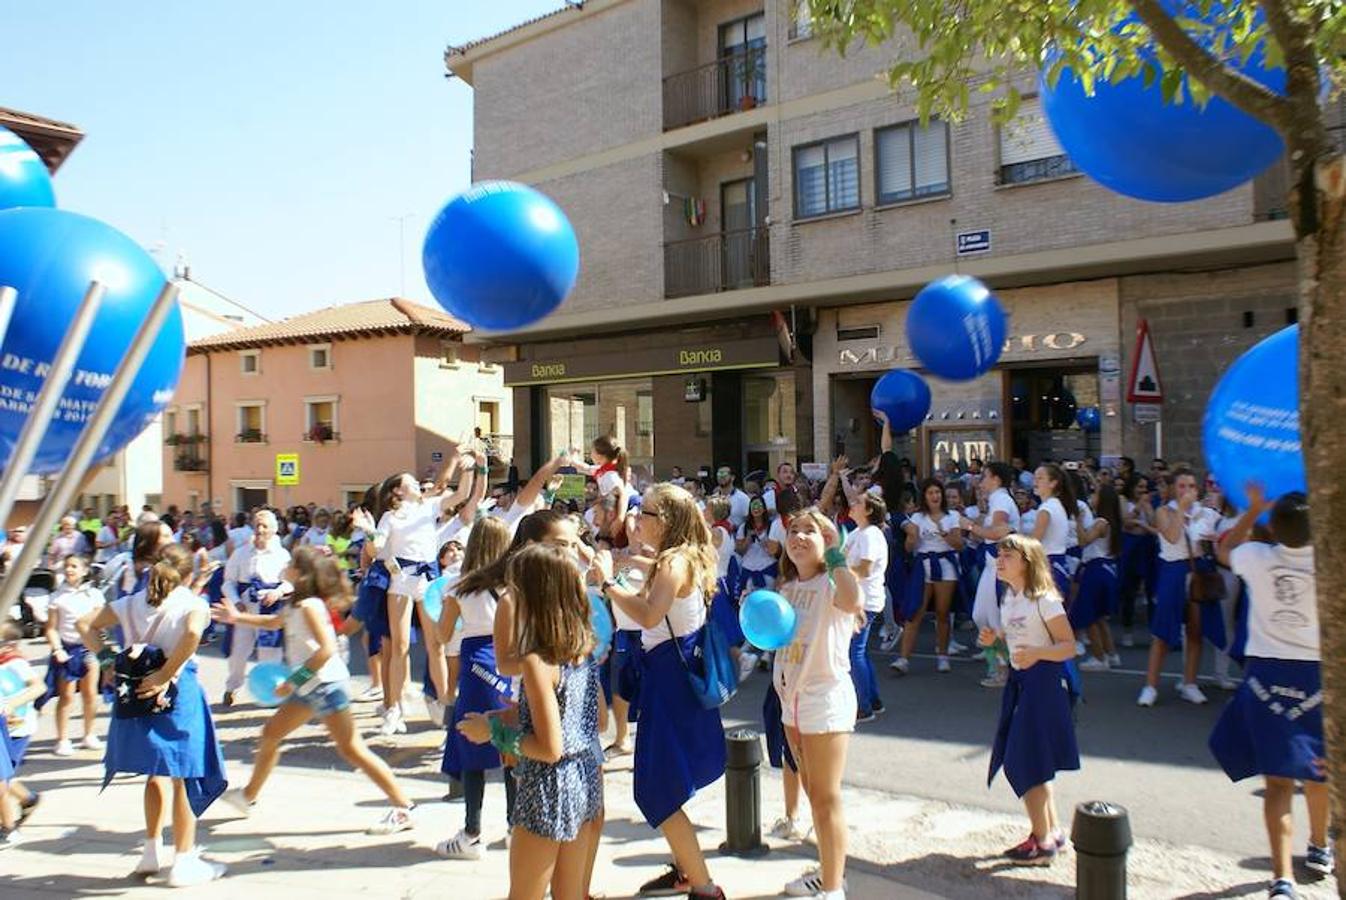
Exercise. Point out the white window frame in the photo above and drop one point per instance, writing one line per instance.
(239, 406)
(335, 400)
(314, 348)
(348, 489)
(250, 484)
(910, 129)
(202, 425)
(256, 356)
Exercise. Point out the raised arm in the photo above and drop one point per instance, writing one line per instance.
(533, 489)
(649, 605)
(1243, 528)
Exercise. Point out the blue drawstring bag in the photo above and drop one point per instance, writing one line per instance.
(719, 682)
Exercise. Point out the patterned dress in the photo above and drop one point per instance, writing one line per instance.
(556, 799)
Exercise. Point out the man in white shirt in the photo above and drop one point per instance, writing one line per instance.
(253, 578)
(738, 501)
(109, 540)
(239, 533)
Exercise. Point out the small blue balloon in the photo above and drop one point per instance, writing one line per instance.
(49, 256)
(601, 621)
(501, 255)
(1129, 140)
(10, 683)
(1088, 419)
(767, 619)
(1251, 428)
(904, 397)
(263, 681)
(956, 327)
(24, 179)
(433, 599)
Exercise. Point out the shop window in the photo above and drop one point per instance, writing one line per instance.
(768, 420)
(1028, 149)
(827, 177)
(859, 333)
(624, 409)
(911, 162)
(1043, 404)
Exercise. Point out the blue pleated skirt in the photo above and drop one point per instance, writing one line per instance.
(1274, 723)
(73, 669)
(1170, 607)
(180, 743)
(12, 750)
(481, 689)
(1099, 594)
(1035, 737)
(371, 604)
(679, 744)
(1061, 571)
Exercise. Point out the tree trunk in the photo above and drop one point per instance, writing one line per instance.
(1321, 246)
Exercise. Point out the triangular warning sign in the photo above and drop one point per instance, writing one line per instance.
(1144, 386)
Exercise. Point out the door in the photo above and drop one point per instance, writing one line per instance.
(738, 216)
(248, 499)
(743, 63)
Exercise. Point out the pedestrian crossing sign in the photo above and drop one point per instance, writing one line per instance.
(287, 469)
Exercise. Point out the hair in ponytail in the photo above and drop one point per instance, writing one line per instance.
(172, 570)
(606, 445)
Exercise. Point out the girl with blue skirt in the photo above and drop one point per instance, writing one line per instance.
(934, 537)
(1182, 524)
(1001, 519)
(71, 668)
(20, 686)
(680, 743)
(1056, 519)
(1273, 726)
(177, 747)
(1097, 596)
(867, 556)
(481, 687)
(1035, 737)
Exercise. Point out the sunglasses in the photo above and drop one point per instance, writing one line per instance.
(646, 512)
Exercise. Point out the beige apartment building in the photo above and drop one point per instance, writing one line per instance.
(317, 408)
(755, 212)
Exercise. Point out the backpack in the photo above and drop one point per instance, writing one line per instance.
(719, 682)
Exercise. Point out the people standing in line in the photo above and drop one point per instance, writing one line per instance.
(1035, 737)
(679, 743)
(1273, 726)
(1098, 596)
(1000, 520)
(254, 583)
(70, 667)
(934, 535)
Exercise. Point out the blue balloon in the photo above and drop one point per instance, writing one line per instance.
(767, 619)
(501, 256)
(1251, 428)
(1088, 419)
(1128, 139)
(904, 397)
(956, 327)
(433, 599)
(24, 179)
(10, 683)
(263, 681)
(49, 256)
(601, 621)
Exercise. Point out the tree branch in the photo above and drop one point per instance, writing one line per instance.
(1296, 37)
(1248, 95)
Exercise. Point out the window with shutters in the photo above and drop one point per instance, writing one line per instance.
(1028, 149)
(911, 162)
(827, 177)
(801, 20)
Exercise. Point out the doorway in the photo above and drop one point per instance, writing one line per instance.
(246, 499)
(738, 218)
(743, 63)
(1043, 403)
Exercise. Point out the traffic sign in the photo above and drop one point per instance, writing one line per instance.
(287, 469)
(1144, 385)
(1147, 413)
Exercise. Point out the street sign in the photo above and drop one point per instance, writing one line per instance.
(287, 469)
(1147, 413)
(969, 242)
(1144, 385)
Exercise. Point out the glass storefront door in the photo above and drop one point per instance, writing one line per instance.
(768, 421)
(579, 413)
(1043, 404)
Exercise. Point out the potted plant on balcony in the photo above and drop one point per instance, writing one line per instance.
(320, 433)
(173, 440)
(750, 70)
(250, 436)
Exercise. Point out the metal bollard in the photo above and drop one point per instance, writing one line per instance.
(1101, 834)
(743, 794)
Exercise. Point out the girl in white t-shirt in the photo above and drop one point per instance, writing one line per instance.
(755, 552)
(1035, 738)
(71, 667)
(612, 472)
(867, 556)
(812, 677)
(1055, 522)
(935, 537)
(319, 684)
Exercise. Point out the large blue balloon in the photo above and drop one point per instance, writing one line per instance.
(1251, 428)
(1129, 140)
(767, 619)
(263, 681)
(49, 256)
(501, 256)
(956, 327)
(903, 396)
(24, 179)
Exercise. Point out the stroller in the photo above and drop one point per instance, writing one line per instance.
(31, 612)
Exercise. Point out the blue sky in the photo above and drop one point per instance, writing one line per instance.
(274, 143)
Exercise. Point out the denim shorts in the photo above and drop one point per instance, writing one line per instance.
(326, 699)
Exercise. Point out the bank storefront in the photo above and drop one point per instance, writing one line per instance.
(689, 398)
(1062, 354)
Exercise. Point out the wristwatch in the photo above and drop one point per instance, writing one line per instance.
(607, 583)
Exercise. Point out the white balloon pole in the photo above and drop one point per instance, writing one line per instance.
(8, 298)
(82, 455)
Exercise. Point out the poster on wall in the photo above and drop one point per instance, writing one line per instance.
(961, 444)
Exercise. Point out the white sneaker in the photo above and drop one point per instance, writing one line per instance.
(810, 884)
(891, 640)
(1115, 660)
(1228, 684)
(1094, 664)
(154, 859)
(900, 665)
(956, 648)
(942, 664)
(435, 711)
(995, 681)
(191, 870)
(380, 710)
(235, 798)
(788, 829)
(372, 693)
(1147, 696)
(91, 742)
(747, 661)
(461, 846)
(1191, 693)
(14, 838)
(397, 818)
(64, 748)
(392, 723)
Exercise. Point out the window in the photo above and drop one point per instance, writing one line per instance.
(250, 361)
(858, 333)
(193, 421)
(353, 494)
(801, 20)
(448, 355)
(911, 162)
(170, 424)
(251, 423)
(320, 356)
(320, 419)
(827, 177)
(1028, 149)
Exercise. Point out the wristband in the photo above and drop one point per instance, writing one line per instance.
(833, 558)
(300, 676)
(504, 738)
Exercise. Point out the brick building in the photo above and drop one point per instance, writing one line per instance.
(754, 213)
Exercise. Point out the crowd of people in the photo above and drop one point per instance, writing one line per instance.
(1039, 567)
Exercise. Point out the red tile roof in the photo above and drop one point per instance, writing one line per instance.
(53, 140)
(372, 318)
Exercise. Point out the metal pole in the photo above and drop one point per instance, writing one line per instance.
(1159, 439)
(8, 300)
(64, 487)
(53, 386)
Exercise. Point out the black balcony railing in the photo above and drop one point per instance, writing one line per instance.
(189, 461)
(728, 85)
(250, 436)
(728, 261)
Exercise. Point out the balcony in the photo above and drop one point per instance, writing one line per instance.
(729, 261)
(321, 433)
(731, 84)
(250, 436)
(189, 459)
(184, 440)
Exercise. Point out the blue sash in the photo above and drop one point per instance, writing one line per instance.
(481, 689)
(249, 590)
(1035, 737)
(1274, 724)
(916, 579)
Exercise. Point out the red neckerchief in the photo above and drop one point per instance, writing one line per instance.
(604, 469)
(725, 524)
(9, 656)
